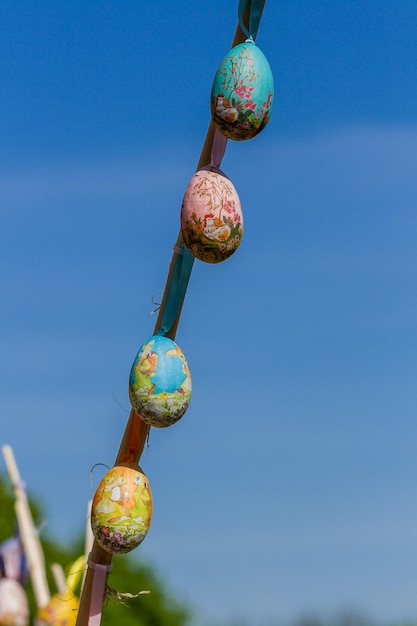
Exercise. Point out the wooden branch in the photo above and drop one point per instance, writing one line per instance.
(136, 432)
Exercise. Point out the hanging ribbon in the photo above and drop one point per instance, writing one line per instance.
(97, 591)
(177, 288)
(255, 13)
(185, 260)
(218, 148)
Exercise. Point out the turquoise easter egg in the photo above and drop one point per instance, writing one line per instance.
(211, 216)
(242, 93)
(160, 382)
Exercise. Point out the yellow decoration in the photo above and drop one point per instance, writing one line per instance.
(62, 609)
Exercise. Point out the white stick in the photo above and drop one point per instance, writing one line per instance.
(59, 578)
(28, 533)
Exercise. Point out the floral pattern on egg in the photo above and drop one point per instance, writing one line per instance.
(211, 216)
(242, 93)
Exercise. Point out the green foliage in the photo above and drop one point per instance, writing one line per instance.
(127, 576)
(153, 609)
(7, 518)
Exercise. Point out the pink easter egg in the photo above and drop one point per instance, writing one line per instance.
(211, 216)
(14, 607)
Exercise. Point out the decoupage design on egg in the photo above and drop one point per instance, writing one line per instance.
(122, 509)
(211, 216)
(242, 93)
(160, 382)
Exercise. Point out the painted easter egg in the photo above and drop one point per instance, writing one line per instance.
(121, 511)
(242, 93)
(211, 216)
(160, 382)
(14, 608)
(61, 610)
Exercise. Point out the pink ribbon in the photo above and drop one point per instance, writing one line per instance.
(97, 591)
(218, 148)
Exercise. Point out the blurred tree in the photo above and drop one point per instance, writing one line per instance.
(7, 517)
(344, 618)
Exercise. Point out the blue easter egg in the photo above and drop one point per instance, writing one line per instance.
(160, 382)
(243, 92)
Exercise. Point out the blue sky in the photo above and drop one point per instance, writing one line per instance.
(290, 484)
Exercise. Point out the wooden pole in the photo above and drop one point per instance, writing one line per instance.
(136, 432)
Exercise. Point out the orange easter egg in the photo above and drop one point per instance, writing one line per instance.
(121, 511)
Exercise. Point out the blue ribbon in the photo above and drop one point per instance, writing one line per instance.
(255, 13)
(177, 289)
